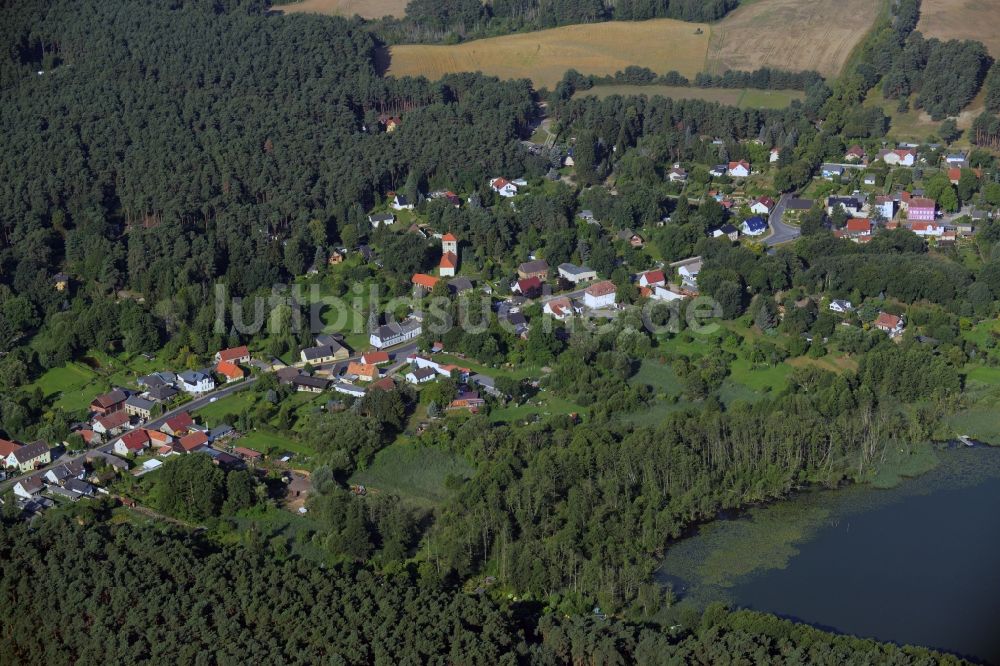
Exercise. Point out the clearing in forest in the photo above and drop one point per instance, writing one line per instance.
(744, 98)
(962, 19)
(369, 9)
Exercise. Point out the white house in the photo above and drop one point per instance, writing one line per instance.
(195, 381)
(775, 155)
(560, 308)
(600, 295)
(754, 226)
(29, 487)
(394, 333)
(900, 157)
(421, 375)
(739, 169)
(503, 187)
(831, 171)
(689, 274)
(841, 306)
(380, 219)
(576, 274)
(762, 206)
(677, 174)
(399, 202)
(927, 229)
(652, 279)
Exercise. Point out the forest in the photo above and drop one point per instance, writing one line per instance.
(87, 590)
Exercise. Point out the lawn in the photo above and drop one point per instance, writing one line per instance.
(416, 473)
(214, 413)
(543, 404)
(745, 98)
(72, 386)
(918, 125)
(660, 376)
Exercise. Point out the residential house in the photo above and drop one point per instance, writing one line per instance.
(921, 209)
(230, 371)
(727, 230)
(132, 443)
(381, 219)
(587, 216)
(29, 487)
(870, 179)
(140, 407)
(420, 375)
(195, 381)
(79, 487)
(349, 389)
(600, 295)
(889, 323)
(318, 355)
(662, 293)
(831, 171)
(957, 159)
(689, 273)
(179, 425)
(235, 355)
(375, 358)
(796, 207)
(469, 400)
(630, 237)
(754, 226)
(906, 157)
(7, 449)
(251, 456)
(161, 394)
(851, 205)
(194, 441)
(719, 170)
(855, 154)
(333, 341)
(362, 371)
(651, 279)
(528, 287)
(739, 169)
(762, 206)
(677, 174)
(62, 473)
(503, 187)
(560, 307)
(459, 285)
(537, 268)
(395, 333)
(775, 155)
(399, 202)
(424, 281)
(886, 206)
(31, 456)
(515, 320)
(108, 403)
(576, 274)
(858, 226)
(927, 229)
(111, 424)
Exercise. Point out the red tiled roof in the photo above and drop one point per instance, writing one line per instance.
(375, 357)
(529, 284)
(135, 440)
(7, 447)
(742, 163)
(362, 370)
(234, 354)
(113, 420)
(247, 453)
(862, 225)
(921, 202)
(193, 441)
(182, 421)
(449, 237)
(230, 370)
(424, 280)
(767, 201)
(499, 183)
(384, 384)
(602, 288)
(449, 260)
(887, 320)
(954, 173)
(654, 276)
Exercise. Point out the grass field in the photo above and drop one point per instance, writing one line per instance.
(416, 473)
(791, 35)
(544, 56)
(744, 98)
(369, 9)
(962, 19)
(917, 124)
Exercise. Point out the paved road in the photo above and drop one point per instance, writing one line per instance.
(780, 232)
(200, 402)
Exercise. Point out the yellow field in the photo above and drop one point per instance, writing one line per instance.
(742, 97)
(369, 9)
(791, 35)
(785, 34)
(544, 56)
(962, 19)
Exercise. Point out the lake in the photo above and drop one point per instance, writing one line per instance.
(918, 563)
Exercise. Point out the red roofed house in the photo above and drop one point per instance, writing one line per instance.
(560, 308)
(194, 441)
(926, 229)
(528, 287)
(177, 425)
(469, 400)
(954, 175)
(503, 187)
(111, 424)
(600, 294)
(854, 154)
(921, 209)
(762, 206)
(249, 455)
(132, 443)
(857, 226)
(424, 280)
(888, 323)
(739, 169)
(368, 373)
(375, 357)
(235, 355)
(652, 279)
(7, 449)
(231, 371)
(109, 402)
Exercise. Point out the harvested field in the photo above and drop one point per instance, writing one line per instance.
(544, 56)
(791, 35)
(962, 19)
(744, 98)
(369, 9)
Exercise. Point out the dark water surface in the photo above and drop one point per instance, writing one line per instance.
(918, 564)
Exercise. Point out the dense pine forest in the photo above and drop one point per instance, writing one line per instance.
(124, 595)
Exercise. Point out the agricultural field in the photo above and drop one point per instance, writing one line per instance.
(369, 9)
(791, 35)
(745, 98)
(661, 45)
(786, 34)
(962, 19)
